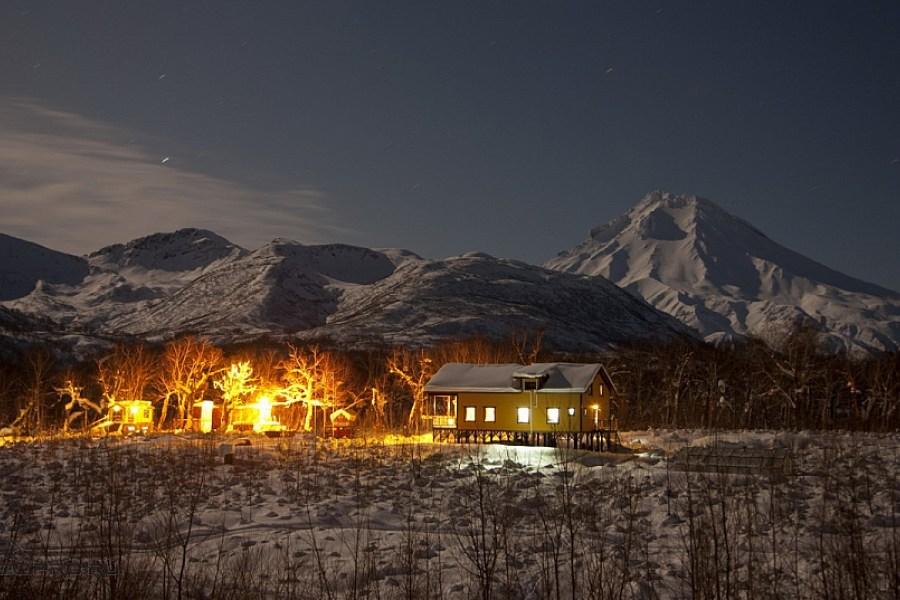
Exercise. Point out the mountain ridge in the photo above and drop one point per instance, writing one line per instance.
(725, 278)
(195, 281)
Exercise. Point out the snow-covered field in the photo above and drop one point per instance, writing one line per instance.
(165, 516)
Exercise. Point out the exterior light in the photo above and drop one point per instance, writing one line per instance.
(206, 416)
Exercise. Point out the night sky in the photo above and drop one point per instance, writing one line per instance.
(443, 127)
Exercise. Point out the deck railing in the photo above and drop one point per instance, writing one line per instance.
(443, 422)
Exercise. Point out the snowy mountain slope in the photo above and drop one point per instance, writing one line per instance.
(23, 264)
(122, 278)
(476, 294)
(195, 281)
(281, 287)
(355, 294)
(723, 277)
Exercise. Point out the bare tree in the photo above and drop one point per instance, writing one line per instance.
(527, 346)
(236, 383)
(188, 366)
(313, 378)
(76, 404)
(126, 374)
(32, 410)
(414, 368)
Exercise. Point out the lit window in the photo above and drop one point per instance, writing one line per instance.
(601, 389)
(470, 413)
(523, 414)
(553, 415)
(571, 411)
(490, 414)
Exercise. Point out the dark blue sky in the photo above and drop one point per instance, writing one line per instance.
(510, 128)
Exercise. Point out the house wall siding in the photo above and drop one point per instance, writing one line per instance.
(507, 403)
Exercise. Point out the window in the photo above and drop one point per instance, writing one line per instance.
(470, 413)
(553, 415)
(490, 414)
(523, 414)
(571, 411)
(443, 405)
(601, 389)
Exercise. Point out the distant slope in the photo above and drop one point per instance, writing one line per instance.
(723, 277)
(23, 264)
(123, 278)
(195, 281)
(480, 295)
(282, 287)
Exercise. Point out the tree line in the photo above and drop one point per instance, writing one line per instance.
(786, 383)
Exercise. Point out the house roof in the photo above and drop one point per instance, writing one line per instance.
(560, 377)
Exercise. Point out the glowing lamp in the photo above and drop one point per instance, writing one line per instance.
(206, 416)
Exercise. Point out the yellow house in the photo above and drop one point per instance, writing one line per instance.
(126, 417)
(537, 404)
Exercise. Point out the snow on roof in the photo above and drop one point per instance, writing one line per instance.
(560, 377)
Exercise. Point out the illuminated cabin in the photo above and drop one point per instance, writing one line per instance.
(127, 417)
(256, 417)
(342, 423)
(537, 404)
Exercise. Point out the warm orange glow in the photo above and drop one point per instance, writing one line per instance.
(264, 420)
(133, 415)
(308, 379)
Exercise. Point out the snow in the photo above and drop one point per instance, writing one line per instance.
(194, 281)
(718, 274)
(562, 377)
(407, 509)
(453, 377)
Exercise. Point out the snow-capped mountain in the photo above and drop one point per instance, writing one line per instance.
(477, 294)
(120, 279)
(195, 281)
(718, 274)
(282, 287)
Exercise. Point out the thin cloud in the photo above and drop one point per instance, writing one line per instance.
(75, 184)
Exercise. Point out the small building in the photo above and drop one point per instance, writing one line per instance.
(126, 417)
(342, 423)
(257, 417)
(540, 404)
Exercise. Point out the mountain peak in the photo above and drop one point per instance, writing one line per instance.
(716, 272)
(666, 199)
(181, 250)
